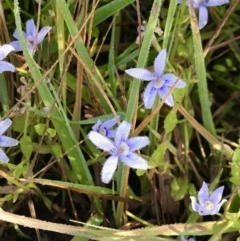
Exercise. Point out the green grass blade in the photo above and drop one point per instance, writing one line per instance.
(109, 9)
(201, 74)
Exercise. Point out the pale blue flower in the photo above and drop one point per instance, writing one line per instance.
(159, 83)
(183, 239)
(121, 149)
(30, 35)
(208, 205)
(4, 65)
(5, 141)
(104, 127)
(201, 6)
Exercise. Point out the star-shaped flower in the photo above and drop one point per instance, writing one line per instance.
(121, 149)
(5, 141)
(202, 5)
(159, 83)
(31, 35)
(183, 239)
(4, 65)
(104, 127)
(208, 205)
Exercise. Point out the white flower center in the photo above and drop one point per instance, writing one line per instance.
(123, 149)
(158, 83)
(209, 205)
(103, 132)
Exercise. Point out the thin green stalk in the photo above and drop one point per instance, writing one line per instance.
(60, 36)
(111, 60)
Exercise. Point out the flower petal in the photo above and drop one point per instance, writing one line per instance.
(212, 3)
(159, 63)
(111, 133)
(179, 1)
(5, 66)
(195, 205)
(30, 48)
(122, 132)
(140, 73)
(31, 28)
(109, 123)
(170, 79)
(182, 238)
(42, 33)
(3, 156)
(16, 45)
(203, 17)
(4, 125)
(134, 161)
(203, 194)
(6, 141)
(149, 95)
(162, 92)
(5, 50)
(196, 3)
(15, 34)
(96, 126)
(109, 167)
(216, 196)
(101, 141)
(217, 208)
(138, 142)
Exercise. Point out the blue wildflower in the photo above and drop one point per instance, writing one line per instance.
(208, 205)
(121, 149)
(159, 83)
(183, 239)
(4, 65)
(104, 127)
(5, 141)
(31, 35)
(202, 5)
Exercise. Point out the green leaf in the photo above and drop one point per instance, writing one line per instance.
(157, 158)
(40, 128)
(220, 68)
(51, 132)
(170, 121)
(56, 149)
(109, 9)
(183, 19)
(182, 51)
(26, 146)
(235, 167)
(179, 188)
(47, 202)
